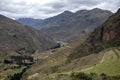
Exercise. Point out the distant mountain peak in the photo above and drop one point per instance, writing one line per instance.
(67, 11)
(81, 11)
(96, 9)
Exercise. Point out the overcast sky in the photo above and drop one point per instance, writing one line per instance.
(47, 8)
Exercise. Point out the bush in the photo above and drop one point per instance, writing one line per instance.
(7, 61)
(80, 76)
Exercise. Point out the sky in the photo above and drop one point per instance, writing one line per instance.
(40, 9)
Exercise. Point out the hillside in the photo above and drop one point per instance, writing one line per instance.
(109, 63)
(105, 36)
(17, 38)
(68, 26)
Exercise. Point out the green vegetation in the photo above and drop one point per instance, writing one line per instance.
(2, 57)
(92, 76)
(110, 63)
(80, 76)
(10, 70)
(7, 70)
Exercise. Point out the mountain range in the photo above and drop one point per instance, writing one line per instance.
(68, 26)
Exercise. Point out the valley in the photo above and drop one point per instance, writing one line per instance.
(42, 44)
(95, 57)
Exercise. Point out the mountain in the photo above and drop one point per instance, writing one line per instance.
(39, 23)
(105, 36)
(98, 55)
(36, 23)
(18, 38)
(69, 26)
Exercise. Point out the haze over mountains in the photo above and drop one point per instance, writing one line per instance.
(17, 38)
(68, 26)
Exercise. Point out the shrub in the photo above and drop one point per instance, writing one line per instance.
(80, 76)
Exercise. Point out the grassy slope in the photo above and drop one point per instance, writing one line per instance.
(110, 63)
(54, 59)
(46, 65)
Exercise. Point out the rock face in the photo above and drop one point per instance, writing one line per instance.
(109, 35)
(15, 37)
(105, 36)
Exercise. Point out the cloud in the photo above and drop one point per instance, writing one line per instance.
(85, 2)
(48, 8)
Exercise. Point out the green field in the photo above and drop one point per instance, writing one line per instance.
(110, 63)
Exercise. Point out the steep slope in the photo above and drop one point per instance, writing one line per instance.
(105, 36)
(15, 37)
(74, 25)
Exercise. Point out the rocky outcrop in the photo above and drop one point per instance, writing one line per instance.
(109, 36)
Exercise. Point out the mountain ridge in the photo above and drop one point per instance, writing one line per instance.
(79, 23)
(67, 25)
